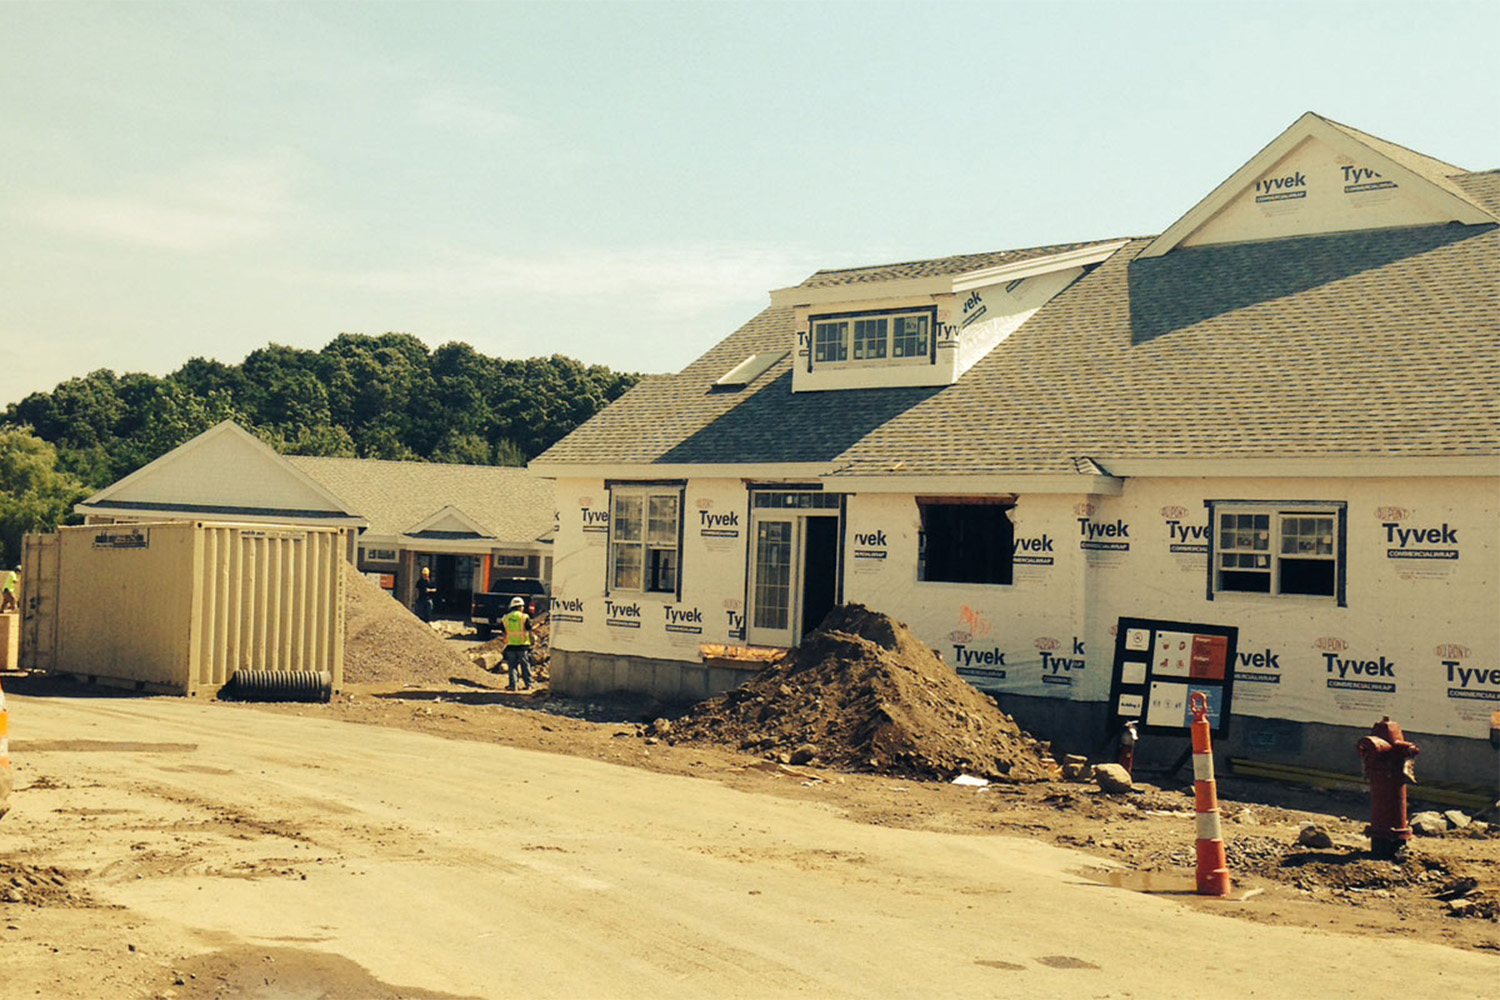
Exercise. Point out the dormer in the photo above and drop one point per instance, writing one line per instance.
(921, 323)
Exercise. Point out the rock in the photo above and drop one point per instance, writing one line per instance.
(1247, 816)
(1313, 835)
(1078, 772)
(1457, 818)
(1429, 824)
(1075, 758)
(1458, 907)
(1113, 778)
(661, 727)
(804, 753)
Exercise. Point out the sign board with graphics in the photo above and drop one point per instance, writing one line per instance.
(1159, 665)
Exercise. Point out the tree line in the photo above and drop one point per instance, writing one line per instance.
(361, 396)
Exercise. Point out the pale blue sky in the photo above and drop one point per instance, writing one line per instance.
(624, 182)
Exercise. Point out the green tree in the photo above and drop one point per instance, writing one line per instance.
(34, 495)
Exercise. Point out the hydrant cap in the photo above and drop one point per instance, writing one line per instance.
(1388, 731)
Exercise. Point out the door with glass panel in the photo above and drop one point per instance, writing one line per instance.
(773, 582)
(794, 556)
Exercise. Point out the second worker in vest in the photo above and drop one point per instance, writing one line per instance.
(517, 625)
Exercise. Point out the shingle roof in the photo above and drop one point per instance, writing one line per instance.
(940, 266)
(394, 497)
(1375, 343)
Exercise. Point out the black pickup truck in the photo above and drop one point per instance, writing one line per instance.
(491, 607)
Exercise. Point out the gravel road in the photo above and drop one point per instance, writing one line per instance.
(213, 850)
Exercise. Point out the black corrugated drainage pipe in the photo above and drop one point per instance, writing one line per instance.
(279, 685)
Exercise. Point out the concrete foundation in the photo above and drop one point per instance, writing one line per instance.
(582, 674)
(1082, 727)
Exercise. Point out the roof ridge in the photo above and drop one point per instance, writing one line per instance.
(416, 463)
(976, 253)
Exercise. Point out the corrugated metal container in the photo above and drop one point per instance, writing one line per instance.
(179, 607)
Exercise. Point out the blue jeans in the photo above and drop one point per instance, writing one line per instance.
(518, 656)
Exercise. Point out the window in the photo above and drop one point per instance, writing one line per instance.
(1277, 549)
(643, 545)
(966, 540)
(830, 342)
(910, 337)
(869, 338)
(865, 337)
(380, 555)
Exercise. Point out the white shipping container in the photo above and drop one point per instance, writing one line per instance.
(179, 607)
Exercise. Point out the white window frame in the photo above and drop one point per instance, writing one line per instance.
(651, 538)
(1268, 534)
(868, 339)
(375, 555)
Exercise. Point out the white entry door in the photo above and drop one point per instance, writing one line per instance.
(793, 573)
(773, 582)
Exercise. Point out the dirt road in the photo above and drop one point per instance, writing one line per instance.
(196, 850)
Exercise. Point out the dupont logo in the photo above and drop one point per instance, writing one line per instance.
(1047, 644)
(567, 609)
(960, 636)
(1440, 542)
(1352, 673)
(705, 504)
(1328, 644)
(1451, 651)
(1173, 513)
(1391, 513)
(1084, 509)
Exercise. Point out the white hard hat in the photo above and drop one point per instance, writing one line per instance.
(516, 602)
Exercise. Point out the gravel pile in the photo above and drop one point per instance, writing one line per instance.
(385, 643)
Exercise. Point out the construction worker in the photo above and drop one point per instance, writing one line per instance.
(425, 589)
(517, 625)
(8, 590)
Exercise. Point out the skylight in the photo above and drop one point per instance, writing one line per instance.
(750, 369)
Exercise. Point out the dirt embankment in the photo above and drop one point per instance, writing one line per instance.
(863, 693)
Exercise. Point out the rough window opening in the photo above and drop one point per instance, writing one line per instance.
(966, 540)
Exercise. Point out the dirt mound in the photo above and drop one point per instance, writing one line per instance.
(861, 692)
(34, 885)
(386, 643)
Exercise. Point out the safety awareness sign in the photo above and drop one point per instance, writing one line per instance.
(1160, 665)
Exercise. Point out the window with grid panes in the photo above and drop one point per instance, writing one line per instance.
(1277, 550)
(643, 545)
(830, 342)
(857, 338)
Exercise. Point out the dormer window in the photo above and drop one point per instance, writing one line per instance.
(898, 337)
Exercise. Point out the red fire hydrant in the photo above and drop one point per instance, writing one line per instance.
(1387, 759)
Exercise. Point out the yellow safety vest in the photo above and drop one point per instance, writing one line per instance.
(515, 629)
